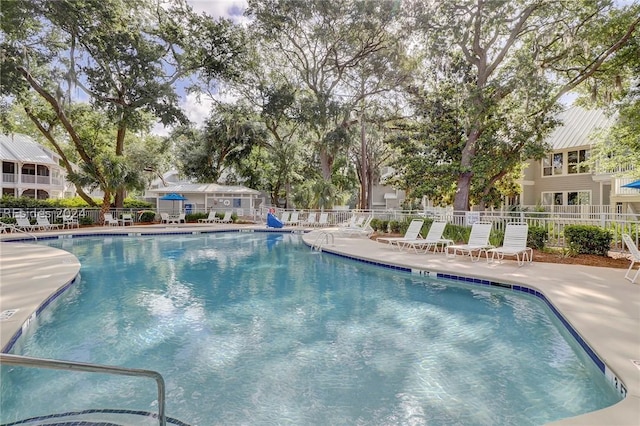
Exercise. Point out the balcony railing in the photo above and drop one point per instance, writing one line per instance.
(9, 177)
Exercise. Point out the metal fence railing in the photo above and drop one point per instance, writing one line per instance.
(553, 221)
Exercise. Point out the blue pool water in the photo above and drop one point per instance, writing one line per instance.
(254, 328)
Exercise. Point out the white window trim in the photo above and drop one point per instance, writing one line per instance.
(565, 163)
(565, 197)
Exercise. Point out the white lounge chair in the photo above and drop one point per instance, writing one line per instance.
(69, 221)
(411, 234)
(478, 242)
(164, 218)
(284, 218)
(310, 221)
(294, 220)
(360, 229)
(225, 219)
(109, 220)
(24, 224)
(44, 224)
(514, 244)
(635, 257)
(211, 218)
(126, 218)
(432, 240)
(323, 220)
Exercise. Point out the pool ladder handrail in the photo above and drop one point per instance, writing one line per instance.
(321, 239)
(55, 364)
(16, 229)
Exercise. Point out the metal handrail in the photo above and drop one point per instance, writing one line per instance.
(16, 229)
(56, 364)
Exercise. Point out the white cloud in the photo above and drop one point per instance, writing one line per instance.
(231, 9)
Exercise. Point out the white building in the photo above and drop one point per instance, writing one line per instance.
(32, 170)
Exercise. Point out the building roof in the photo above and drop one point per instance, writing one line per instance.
(205, 188)
(21, 148)
(578, 126)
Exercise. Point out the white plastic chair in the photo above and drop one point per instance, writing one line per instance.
(514, 244)
(478, 241)
(411, 234)
(432, 240)
(44, 224)
(211, 218)
(126, 218)
(635, 257)
(226, 218)
(109, 220)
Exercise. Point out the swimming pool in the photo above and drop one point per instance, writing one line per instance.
(255, 328)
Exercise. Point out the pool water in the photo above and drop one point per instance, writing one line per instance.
(255, 328)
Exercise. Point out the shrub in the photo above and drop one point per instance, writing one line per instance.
(193, 217)
(132, 203)
(376, 224)
(147, 216)
(587, 239)
(85, 220)
(8, 220)
(537, 237)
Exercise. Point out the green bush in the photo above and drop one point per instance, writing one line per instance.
(85, 220)
(587, 239)
(147, 216)
(376, 224)
(132, 203)
(8, 220)
(193, 217)
(537, 237)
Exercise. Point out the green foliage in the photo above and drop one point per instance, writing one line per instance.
(537, 237)
(85, 220)
(132, 203)
(587, 239)
(395, 226)
(376, 224)
(8, 220)
(147, 216)
(193, 217)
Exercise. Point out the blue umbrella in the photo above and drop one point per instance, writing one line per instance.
(635, 185)
(173, 197)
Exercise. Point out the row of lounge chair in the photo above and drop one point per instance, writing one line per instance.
(311, 221)
(515, 241)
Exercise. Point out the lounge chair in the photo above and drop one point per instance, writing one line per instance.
(225, 219)
(515, 244)
(411, 234)
(126, 218)
(323, 220)
(294, 220)
(24, 224)
(478, 242)
(182, 218)
(164, 218)
(44, 224)
(635, 257)
(360, 229)
(310, 220)
(69, 221)
(210, 219)
(109, 220)
(432, 240)
(284, 218)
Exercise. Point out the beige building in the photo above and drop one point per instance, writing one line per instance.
(564, 181)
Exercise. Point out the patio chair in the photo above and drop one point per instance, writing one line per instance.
(109, 220)
(284, 218)
(362, 228)
(323, 220)
(478, 242)
(24, 224)
(514, 244)
(210, 219)
(69, 221)
(126, 218)
(164, 218)
(411, 234)
(44, 224)
(635, 257)
(182, 218)
(310, 220)
(294, 220)
(432, 240)
(225, 219)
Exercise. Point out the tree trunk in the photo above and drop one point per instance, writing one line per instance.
(326, 163)
(120, 191)
(461, 199)
(364, 184)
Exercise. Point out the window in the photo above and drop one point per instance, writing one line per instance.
(577, 161)
(570, 198)
(552, 165)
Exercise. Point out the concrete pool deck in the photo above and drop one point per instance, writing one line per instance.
(599, 303)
